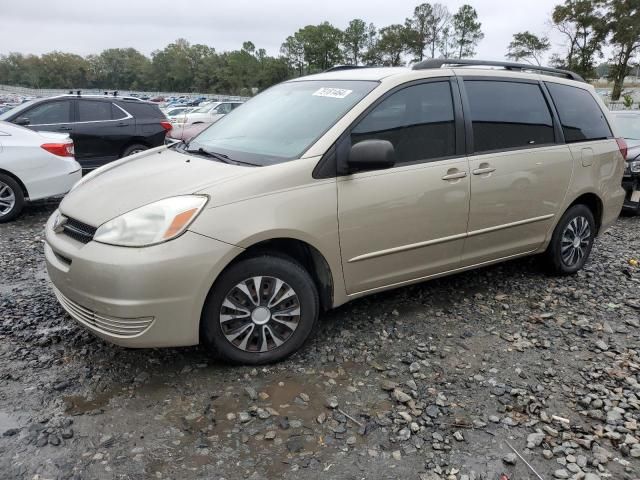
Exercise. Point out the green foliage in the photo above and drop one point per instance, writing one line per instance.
(627, 100)
(529, 47)
(391, 45)
(467, 32)
(623, 23)
(583, 25)
(354, 41)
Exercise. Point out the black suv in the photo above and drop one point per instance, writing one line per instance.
(103, 128)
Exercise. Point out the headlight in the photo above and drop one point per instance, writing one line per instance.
(634, 166)
(152, 224)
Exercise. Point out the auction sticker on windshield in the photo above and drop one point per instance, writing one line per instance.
(332, 92)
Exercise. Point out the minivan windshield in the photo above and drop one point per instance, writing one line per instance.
(283, 122)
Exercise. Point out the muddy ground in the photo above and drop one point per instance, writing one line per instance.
(433, 381)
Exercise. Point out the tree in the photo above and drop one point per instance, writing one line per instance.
(370, 56)
(623, 19)
(120, 68)
(529, 47)
(391, 45)
(437, 23)
(292, 50)
(418, 31)
(354, 41)
(467, 31)
(584, 26)
(321, 46)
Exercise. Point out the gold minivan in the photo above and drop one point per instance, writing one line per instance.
(330, 187)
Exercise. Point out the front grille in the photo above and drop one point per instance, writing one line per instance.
(78, 231)
(107, 325)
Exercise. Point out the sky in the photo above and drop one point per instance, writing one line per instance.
(90, 26)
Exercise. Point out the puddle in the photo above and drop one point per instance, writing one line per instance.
(7, 422)
(79, 405)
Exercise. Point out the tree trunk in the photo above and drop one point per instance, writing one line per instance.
(621, 73)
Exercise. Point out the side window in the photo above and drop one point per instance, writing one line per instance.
(508, 115)
(580, 115)
(117, 113)
(417, 120)
(223, 108)
(50, 112)
(89, 111)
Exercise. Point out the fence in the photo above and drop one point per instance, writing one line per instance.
(50, 92)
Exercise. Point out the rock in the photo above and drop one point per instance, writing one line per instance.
(414, 367)
(244, 417)
(561, 473)
(404, 434)
(601, 344)
(295, 443)
(510, 458)
(304, 397)
(458, 436)
(270, 435)
(600, 454)
(433, 411)
(251, 393)
(400, 396)
(388, 385)
(535, 439)
(331, 402)
(591, 476)
(351, 440)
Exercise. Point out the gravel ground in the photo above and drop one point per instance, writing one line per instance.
(434, 381)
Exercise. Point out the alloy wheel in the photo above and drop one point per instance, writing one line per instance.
(575, 241)
(259, 314)
(7, 199)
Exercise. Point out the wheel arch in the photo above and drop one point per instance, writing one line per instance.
(304, 253)
(25, 192)
(594, 203)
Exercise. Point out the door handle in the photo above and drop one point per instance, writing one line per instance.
(66, 129)
(484, 168)
(454, 175)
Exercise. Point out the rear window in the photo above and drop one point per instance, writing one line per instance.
(580, 115)
(142, 109)
(508, 115)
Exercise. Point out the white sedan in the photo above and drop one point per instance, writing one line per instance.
(33, 166)
(209, 113)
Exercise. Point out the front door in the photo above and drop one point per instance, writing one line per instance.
(519, 175)
(407, 222)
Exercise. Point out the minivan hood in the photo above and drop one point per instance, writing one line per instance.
(143, 179)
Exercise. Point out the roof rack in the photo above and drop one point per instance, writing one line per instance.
(345, 67)
(439, 62)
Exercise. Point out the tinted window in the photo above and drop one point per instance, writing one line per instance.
(142, 109)
(223, 108)
(417, 120)
(508, 115)
(50, 112)
(628, 126)
(117, 113)
(89, 111)
(579, 114)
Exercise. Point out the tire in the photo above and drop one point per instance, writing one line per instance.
(133, 149)
(11, 198)
(248, 333)
(578, 218)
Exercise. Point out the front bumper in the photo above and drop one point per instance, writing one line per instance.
(631, 186)
(136, 297)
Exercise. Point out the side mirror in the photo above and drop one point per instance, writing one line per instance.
(22, 121)
(371, 155)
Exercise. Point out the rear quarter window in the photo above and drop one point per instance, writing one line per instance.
(142, 110)
(580, 115)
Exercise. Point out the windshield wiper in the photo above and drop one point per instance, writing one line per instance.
(221, 157)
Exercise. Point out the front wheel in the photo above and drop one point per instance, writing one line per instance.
(572, 241)
(260, 310)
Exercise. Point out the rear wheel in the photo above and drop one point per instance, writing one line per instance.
(11, 198)
(260, 310)
(133, 149)
(572, 241)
